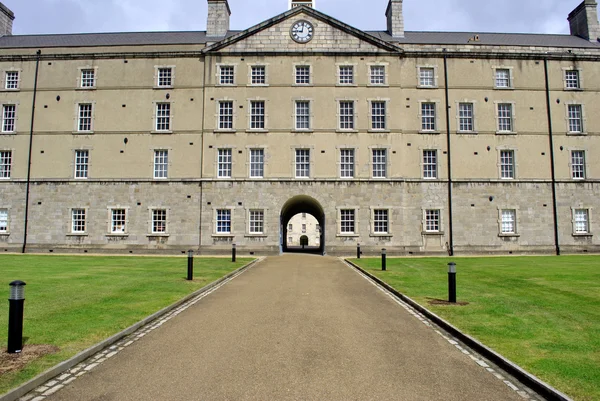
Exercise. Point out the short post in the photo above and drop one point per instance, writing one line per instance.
(233, 253)
(452, 282)
(16, 303)
(190, 275)
(383, 261)
(358, 252)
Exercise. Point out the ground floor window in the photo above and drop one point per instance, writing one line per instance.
(118, 222)
(582, 221)
(257, 222)
(432, 221)
(381, 222)
(223, 221)
(159, 221)
(509, 222)
(78, 221)
(3, 221)
(347, 221)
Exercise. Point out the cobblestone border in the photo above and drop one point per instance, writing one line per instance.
(528, 386)
(54, 379)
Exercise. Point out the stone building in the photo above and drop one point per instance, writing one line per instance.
(303, 230)
(419, 142)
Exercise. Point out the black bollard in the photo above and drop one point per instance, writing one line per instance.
(190, 275)
(452, 282)
(233, 253)
(383, 261)
(358, 252)
(16, 303)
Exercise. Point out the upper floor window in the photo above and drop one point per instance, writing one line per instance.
(11, 80)
(82, 163)
(578, 164)
(226, 75)
(161, 164)
(503, 79)
(575, 118)
(78, 221)
(346, 74)
(572, 79)
(465, 117)
(347, 163)
(379, 163)
(428, 117)
(302, 114)
(346, 115)
(9, 116)
(5, 164)
(224, 163)
(378, 115)
(302, 163)
(226, 115)
(258, 75)
(507, 164)
(505, 117)
(302, 75)
(163, 116)
(257, 163)
(427, 77)
(84, 121)
(257, 114)
(164, 77)
(430, 165)
(3, 221)
(88, 78)
(377, 75)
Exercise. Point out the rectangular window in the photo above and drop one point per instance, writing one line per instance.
(505, 117)
(347, 163)
(224, 221)
(163, 116)
(258, 75)
(507, 164)
(432, 221)
(303, 228)
(381, 223)
(578, 164)
(503, 78)
(257, 222)
(3, 221)
(346, 74)
(572, 79)
(379, 163)
(509, 222)
(290, 227)
(257, 114)
(302, 114)
(165, 77)
(582, 225)
(378, 115)
(226, 114)
(161, 164)
(88, 78)
(575, 118)
(9, 114)
(257, 163)
(302, 75)
(224, 163)
(118, 221)
(82, 160)
(377, 75)
(84, 122)
(302, 163)
(12, 80)
(78, 221)
(430, 164)
(347, 221)
(347, 115)
(159, 221)
(428, 117)
(226, 75)
(465, 117)
(427, 77)
(5, 164)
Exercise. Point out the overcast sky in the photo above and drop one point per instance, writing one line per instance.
(76, 16)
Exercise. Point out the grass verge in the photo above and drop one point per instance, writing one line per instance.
(543, 313)
(74, 302)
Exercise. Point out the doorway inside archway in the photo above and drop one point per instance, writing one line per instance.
(302, 226)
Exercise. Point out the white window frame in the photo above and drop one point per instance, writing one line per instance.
(5, 80)
(224, 162)
(373, 164)
(575, 221)
(343, 79)
(385, 76)
(566, 79)
(158, 82)
(347, 168)
(79, 219)
(220, 216)
(297, 102)
(501, 163)
(6, 117)
(304, 165)
(512, 117)
(252, 116)
(375, 221)
(581, 120)
(253, 223)
(160, 164)
(163, 122)
(221, 77)
(385, 116)
(159, 215)
(581, 173)
(502, 223)
(510, 77)
(460, 117)
(4, 223)
(252, 162)
(429, 174)
(251, 75)
(81, 79)
(420, 77)
(432, 216)
(81, 168)
(6, 163)
(422, 116)
(343, 212)
(113, 228)
(344, 118)
(222, 118)
(296, 76)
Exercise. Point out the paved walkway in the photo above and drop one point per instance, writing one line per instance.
(295, 327)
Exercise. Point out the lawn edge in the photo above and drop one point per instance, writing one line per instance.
(49, 374)
(526, 378)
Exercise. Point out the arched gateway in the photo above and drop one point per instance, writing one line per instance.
(301, 204)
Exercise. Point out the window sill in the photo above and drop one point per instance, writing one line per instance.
(77, 234)
(346, 85)
(223, 235)
(429, 132)
(257, 85)
(303, 131)
(379, 131)
(583, 235)
(346, 131)
(432, 233)
(347, 235)
(89, 88)
(163, 87)
(378, 85)
(263, 235)
(117, 235)
(573, 89)
(226, 85)
(307, 85)
(224, 131)
(157, 235)
(427, 87)
(576, 133)
(502, 88)
(509, 235)
(506, 133)
(257, 131)
(161, 132)
(10, 90)
(467, 132)
(4, 234)
(9, 133)
(379, 235)
(83, 132)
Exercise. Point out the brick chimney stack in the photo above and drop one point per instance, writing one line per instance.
(218, 18)
(584, 21)
(6, 20)
(395, 19)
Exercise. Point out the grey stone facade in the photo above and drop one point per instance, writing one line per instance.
(218, 18)
(6, 20)
(395, 19)
(583, 21)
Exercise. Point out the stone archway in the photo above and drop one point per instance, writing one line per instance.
(302, 204)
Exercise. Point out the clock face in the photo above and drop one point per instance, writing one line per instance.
(302, 31)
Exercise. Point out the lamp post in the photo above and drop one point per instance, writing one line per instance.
(16, 303)
(190, 270)
(233, 253)
(452, 282)
(358, 252)
(383, 261)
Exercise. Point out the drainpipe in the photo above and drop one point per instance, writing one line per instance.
(35, 84)
(206, 59)
(552, 165)
(450, 221)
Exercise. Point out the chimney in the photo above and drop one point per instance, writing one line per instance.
(395, 19)
(297, 3)
(218, 18)
(584, 21)
(6, 20)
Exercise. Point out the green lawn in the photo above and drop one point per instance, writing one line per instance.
(74, 302)
(541, 312)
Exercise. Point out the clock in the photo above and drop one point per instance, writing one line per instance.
(302, 31)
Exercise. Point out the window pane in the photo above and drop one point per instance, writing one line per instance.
(5, 164)
(381, 221)
(163, 116)
(302, 115)
(226, 115)
(259, 75)
(575, 118)
(379, 163)
(78, 220)
(159, 221)
(257, 114)
(257, 163)
(347, 115)
(428, 116)
(432, 220)
(502, 78)
(507, 164)
(226, 75)
(224, 221)
(578, 164)
(377, 75)
(12, 80)
(347, 163)
(257, 218)
(82, 158)
(427, 77)
(508, 222)
(8, 117)
(430, 164)
(347, 221)
(85, 117)
(302, 163)
(118, 221)
(465, 115)
(346, 74)
(302, 75)
(224, 163)
(3, 221)
(582, 221)
(161, 163)
(505, 117)
(572, 79)
(165, 76)
(88, 78)
(378, 115)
